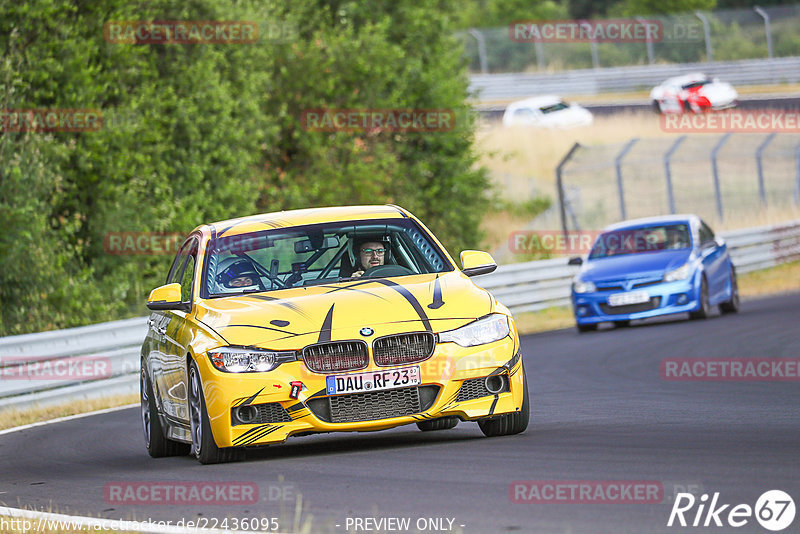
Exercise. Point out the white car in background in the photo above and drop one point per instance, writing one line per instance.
(547, 111)
(693, 93)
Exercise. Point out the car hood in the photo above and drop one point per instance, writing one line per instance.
(293, 318)
(718, 92)
(567, 118)
(631, 266)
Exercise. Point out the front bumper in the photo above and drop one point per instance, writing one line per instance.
(665, 298)
(442, 376)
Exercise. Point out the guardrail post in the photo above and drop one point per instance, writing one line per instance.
(618, 165)
(765, 16)
(762, 190)
(707, 35)
(797, 175)
(481, 49)
(560, 188)
(667, 156)
(715, 172)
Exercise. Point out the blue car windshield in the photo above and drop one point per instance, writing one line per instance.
(639, 240)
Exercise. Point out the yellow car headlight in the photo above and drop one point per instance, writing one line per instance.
(239, 360)
(478, 332)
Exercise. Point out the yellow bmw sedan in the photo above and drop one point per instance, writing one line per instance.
(323, 320)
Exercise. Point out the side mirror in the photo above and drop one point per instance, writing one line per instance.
(167, 297)
(577, 260)
(475, 262)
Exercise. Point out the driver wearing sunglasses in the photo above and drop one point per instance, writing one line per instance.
(370, 254)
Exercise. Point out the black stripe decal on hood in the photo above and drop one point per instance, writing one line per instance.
(327, 326)
(411, 300)
(437, 295)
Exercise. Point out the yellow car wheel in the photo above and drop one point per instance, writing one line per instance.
(510, 423)
(204, 448)
(157, 445)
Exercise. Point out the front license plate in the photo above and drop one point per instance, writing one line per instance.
(373, 380)
(632, 297)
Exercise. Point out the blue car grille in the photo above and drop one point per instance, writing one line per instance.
(652, 304)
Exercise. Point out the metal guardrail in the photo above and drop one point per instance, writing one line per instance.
(505, 87)
(522, 287)
(111, 349)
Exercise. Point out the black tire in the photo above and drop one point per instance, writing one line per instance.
(656, 107)
(732, 305)
(687, 107)
(622, 324)
(158, 446)
(705, 308)
(510, 423)
(442, 423)
(586, 327)
(204, 448)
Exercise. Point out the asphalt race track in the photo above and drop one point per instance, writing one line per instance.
(600, 411)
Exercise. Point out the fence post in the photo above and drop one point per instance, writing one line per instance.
(715, 172)
(667, 156)
(648, 43)
(481, 49)
(618, 165)
(762, 190)
(538, 46)
(765, 16)
(707, 34)
(592, 43)
(560, 188)
(797, 175)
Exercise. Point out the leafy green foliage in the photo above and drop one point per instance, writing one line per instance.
(204, 132)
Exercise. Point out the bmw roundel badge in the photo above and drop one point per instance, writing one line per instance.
(367, 331)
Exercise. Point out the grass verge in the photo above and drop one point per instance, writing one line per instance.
(12, 418)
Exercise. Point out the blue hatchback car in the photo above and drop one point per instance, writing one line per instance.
(655, 266)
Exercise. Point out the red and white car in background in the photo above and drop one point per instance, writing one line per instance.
(693, 93)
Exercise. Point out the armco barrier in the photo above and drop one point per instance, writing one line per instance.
(505, 87)
(522, 287)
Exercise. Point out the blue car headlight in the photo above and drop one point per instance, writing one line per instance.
(579, 286)
(681, 273)
(478, 332)
(239, 360)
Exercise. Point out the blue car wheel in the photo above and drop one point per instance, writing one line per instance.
(705, 308)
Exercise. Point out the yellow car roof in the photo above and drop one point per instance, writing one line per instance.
(284, 219)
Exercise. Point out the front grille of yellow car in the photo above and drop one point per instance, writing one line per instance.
(336, 356)
(475, 388)
(373, 405)
(403, 348)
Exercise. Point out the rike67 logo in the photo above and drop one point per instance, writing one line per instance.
(774, 510)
